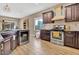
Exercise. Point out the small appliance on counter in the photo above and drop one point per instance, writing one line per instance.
(57, 34)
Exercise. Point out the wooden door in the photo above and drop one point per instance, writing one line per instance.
(0, 49)
(73, 12)
(77, 40)
(6, 47)
(69, 39)
(77, 12)
(45, 17)
(68, 15)
(45, 35)
(14, 42)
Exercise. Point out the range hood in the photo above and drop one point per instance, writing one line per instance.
(58, 18)
(58, 11)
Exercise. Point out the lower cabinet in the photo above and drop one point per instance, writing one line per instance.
(6, 47)
(77, 41)
(71, 38)
(13, 43)
(0, 49)
(45, 35)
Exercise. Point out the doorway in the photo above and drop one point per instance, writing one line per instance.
(38, 26)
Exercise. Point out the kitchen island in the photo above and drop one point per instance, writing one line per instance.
(9, 40)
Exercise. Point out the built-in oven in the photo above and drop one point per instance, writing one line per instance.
(57, 35)
(23, 37)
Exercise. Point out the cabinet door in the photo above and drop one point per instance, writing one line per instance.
(69, 39)
(77, 12)
(42, 34)
(73, 12)
(7, 48)
(68, 16)
(77, 40)
(0, 49)
(45, 18)
(45, 35)
(13, 43)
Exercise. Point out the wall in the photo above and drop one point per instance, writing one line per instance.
(8, 19)
(73, 25)
(31, 21)
(24, 19)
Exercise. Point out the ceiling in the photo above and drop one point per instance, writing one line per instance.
(19, 10)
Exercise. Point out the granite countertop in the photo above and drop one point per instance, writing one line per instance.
(1, 38)
(4, 35)
(8, 33)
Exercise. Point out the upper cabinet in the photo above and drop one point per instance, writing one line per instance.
(47, 16)
(72, 13)
(68, 14)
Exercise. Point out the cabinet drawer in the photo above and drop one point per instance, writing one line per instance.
(70, 34)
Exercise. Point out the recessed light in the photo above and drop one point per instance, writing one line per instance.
(36, 3)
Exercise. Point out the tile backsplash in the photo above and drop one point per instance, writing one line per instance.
(72, 26)
(50, 25)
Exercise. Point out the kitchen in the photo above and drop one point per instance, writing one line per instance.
(60, 28)
(65, 26)
(10, 36)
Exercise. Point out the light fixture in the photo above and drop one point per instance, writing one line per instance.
(6, 8)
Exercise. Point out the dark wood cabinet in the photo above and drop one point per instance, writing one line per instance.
(45, 35)
(68, 14)
(10, 42)
(13, 43)
(15, 40)
(0, 49)
(71, 38)
(47, 16)
(77, 12)
(72, 13)
(6, 46)
(77, 40)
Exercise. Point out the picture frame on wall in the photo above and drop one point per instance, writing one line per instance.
(47, 16)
